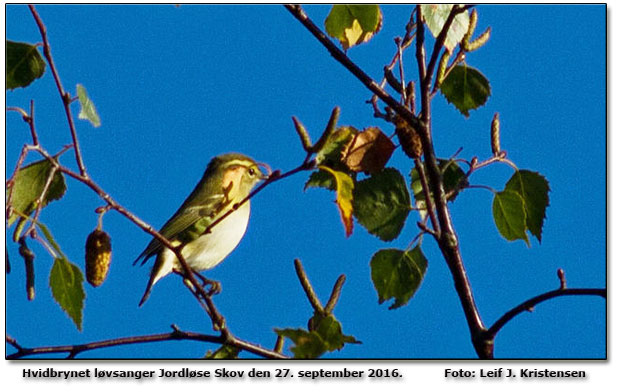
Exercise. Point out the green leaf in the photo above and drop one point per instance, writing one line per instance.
(312, 344)
(454, 180)
(466, 88)
(307, 344)
(353, 24)
(24, 64)
(29, 184)
(344, 197)
(381, 203)
(321, 179)
(534, 190)
(510, 216)
(224, 352)
(397, 274)
(330, 330)
(87, 107)
(333, 150)
(66, 282)
(435, 16)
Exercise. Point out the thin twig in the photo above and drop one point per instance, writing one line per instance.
(307, 164)
(430, 210)
(420, 52)
(562, 278)
(439, 43)
(73, 350)
(530, 303)
(41, 199)
(474, 164)
(298, 12)
(64, 96)
(406, 42)
(401, 69)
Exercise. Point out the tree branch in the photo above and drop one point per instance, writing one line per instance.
(342, 58)
(65, 97)
(447, 241)
(176, 334)
(530, 303)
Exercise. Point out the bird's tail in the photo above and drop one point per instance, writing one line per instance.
(161, 268)
(147, 292)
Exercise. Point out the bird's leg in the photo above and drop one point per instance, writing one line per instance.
(216, 287)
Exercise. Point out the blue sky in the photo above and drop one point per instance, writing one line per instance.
(176, 86)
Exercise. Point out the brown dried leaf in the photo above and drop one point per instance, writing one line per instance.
(368, 151)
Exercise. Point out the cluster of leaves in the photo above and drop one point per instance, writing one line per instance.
(353, 163)
(324, 334)
(380, 202)
(39, 183)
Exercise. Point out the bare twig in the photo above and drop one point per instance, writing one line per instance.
(427, 197)
(176, 334)
(562, 278)
(420, 52)
(474, 164)
(404, 44)
(530, 303)
(401, 69)
(307, 164)
(341, 57)
(73, 350)
(65, 96)
(40, 200)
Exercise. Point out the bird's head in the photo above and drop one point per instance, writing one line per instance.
(237, 174)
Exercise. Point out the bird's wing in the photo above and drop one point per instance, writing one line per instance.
(183, 219)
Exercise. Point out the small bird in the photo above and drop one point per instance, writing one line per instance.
(228, 179)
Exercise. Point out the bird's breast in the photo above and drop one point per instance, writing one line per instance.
(210, 249)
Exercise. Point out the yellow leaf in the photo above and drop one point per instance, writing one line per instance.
(355, 35)
(344, 197)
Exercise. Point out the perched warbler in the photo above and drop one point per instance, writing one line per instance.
(228, 179)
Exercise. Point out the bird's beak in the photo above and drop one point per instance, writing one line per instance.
(266, 172)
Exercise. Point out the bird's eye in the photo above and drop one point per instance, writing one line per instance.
(251, 172)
